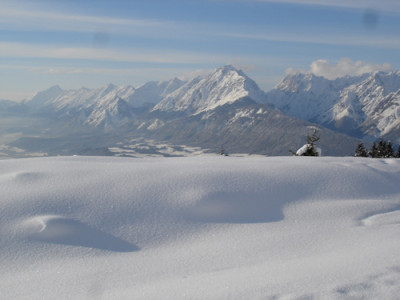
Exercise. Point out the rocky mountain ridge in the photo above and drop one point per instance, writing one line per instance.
(366, 106)
(224, 108)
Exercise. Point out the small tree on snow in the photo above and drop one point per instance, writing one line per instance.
(361, 151)
(309, 149)
(374, 150)
(382, 148)
(389, 150)
(222, 151)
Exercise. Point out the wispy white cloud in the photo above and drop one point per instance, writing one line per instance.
(377, 42)
(131, 55)
(13, 13)
(383, 5)
(112, 71)
(12, 17)
(102, 26)
(15, 50)
(343, 67)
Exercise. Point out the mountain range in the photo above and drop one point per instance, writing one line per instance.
(365, 106)
(224, 109)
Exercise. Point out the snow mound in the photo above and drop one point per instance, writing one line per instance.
(388, 218)
(207, 227)
(236, 207)
(64, 231)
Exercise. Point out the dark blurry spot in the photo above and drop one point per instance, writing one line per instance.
(101, 40)
(371, 18)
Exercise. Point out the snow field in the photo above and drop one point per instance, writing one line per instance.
(200, 228)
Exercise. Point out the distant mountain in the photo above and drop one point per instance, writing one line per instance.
(43, 98)
(222, 109)
(104, 107)
(153, 92)
(107, 107)
(10, 106)
(363, 106)
(243, 127)
(224, 86)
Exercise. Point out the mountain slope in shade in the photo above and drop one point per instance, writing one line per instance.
(225, 85)
(224, 108)
(243, 127)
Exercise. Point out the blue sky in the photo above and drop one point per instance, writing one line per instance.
(92, 43)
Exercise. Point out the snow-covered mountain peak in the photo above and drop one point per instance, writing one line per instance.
(305, 81)
(152, 92)
(41, 98)
(389, 82)
(292, 82)
(365, 104)
(227, 69)
(224, 85)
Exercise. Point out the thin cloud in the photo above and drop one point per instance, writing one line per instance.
(377, 42)
(25, 19)
(8, 13)
(15, 50)
(384, 5)
(131, 55)
(343, 67)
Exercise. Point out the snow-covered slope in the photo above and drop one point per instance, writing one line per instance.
(44, 97)
(103, 107)
(373, 104)
(107, 107)
(307, 96)
(366, 104)
(219, 108)
(200, 228)
(153, 92)
(223, 86)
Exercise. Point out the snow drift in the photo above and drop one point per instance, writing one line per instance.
(200, 228)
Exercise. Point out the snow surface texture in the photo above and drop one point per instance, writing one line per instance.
(200, 228)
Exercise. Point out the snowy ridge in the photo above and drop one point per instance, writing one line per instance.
(361, 106)
(210, 227)
(153, 92)
(101, 107)
(307, 96)
(44, 97)
(220, 108)
(225, 85)
(368, 103)
(107, 107)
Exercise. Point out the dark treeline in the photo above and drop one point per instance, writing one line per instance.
(382, 149)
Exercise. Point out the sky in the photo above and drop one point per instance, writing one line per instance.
(79, 43)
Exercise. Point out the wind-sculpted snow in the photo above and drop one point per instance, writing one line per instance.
(64, 231)
(209, 227)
